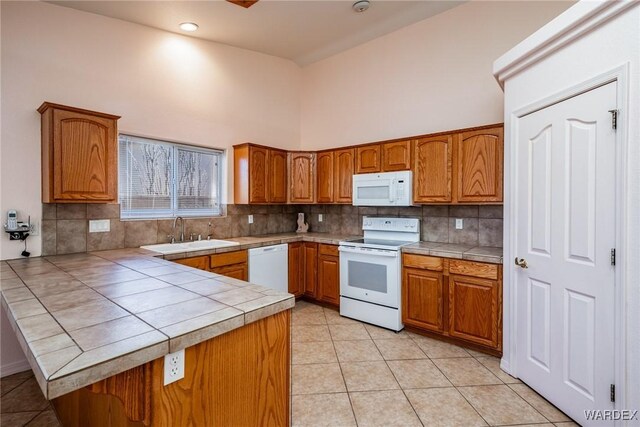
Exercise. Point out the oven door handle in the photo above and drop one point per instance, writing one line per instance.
(374, 252)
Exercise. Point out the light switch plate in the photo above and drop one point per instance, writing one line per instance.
(459, 225)
(173, 367)
(320, 217)
(250, 219)
(99, 226)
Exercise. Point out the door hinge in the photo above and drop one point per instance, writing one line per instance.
(613, 256)
(613, 392)
(614, 119)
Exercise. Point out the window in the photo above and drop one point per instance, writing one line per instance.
(162, 180)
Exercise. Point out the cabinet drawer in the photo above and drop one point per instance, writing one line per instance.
(422, 261)
(200, 262)
(228, 258)
(475, 269)
(331, 250)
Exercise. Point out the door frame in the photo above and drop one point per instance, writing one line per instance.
(621, 286)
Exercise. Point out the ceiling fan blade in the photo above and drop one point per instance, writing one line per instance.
(244, 3)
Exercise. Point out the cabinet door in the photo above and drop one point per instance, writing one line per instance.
(432, 169)
(199, 262)
(237, 271)
(258, 175)
(302, 174)
(479, 157)
(343, 175)
(311, 269)
(324, 179)
(396, 156)
(277, 176)
(329, 279)
(368, 159)
(422, 299)
(296, 268)
(474, 310)
(84, 157)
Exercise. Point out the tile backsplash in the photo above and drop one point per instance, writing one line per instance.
(482, 225)
(65, 226)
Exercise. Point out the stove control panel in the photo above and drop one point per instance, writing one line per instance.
(408, 225)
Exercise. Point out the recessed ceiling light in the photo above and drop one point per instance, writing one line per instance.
(188, 26)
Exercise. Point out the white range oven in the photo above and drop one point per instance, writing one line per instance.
(370, 271)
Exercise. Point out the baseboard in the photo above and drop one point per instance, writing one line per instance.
(14, 367)
(504, 365)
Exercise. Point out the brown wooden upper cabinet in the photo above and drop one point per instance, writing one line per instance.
(396, 156)
(344, 163)
(478, 166)
(260, 174)
(369, 159)
(432, 169)
(79, 155)
(302, 177)
(325, 177)
(277, 176)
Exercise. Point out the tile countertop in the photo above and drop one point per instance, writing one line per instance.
(84, 317)
(450, 250)
(446, 250)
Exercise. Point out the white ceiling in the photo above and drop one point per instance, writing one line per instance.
(304, 31)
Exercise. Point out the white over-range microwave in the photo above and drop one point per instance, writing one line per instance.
(383, 189)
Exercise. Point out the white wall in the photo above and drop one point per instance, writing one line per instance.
(163, 85)
(431, 76)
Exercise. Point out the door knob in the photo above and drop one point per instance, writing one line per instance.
(522, 263)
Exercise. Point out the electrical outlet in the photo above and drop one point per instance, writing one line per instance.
(459, 225)
(173, 367)
(99, 226)
(320, 218)
(250, 219)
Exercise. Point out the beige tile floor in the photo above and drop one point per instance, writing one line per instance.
(347, 373)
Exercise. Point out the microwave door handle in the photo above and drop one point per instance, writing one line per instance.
(392, 191)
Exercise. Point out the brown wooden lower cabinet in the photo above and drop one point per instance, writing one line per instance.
(231, 264)
(310, 269)
(329, 274)
(296, 268)
(314, 272)
(473, 310)
(422, 294)
(457, 299)
(240, 378)
(199, 262)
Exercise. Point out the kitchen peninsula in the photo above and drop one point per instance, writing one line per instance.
(96, 327)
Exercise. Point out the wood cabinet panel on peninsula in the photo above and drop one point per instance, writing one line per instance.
(457, 299)
(239, 378)
(79, 155)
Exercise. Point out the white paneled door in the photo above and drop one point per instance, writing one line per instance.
(565, 218)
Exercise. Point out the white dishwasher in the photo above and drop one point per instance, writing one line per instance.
(269, 266)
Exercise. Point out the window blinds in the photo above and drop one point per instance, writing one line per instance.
(162, 180)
